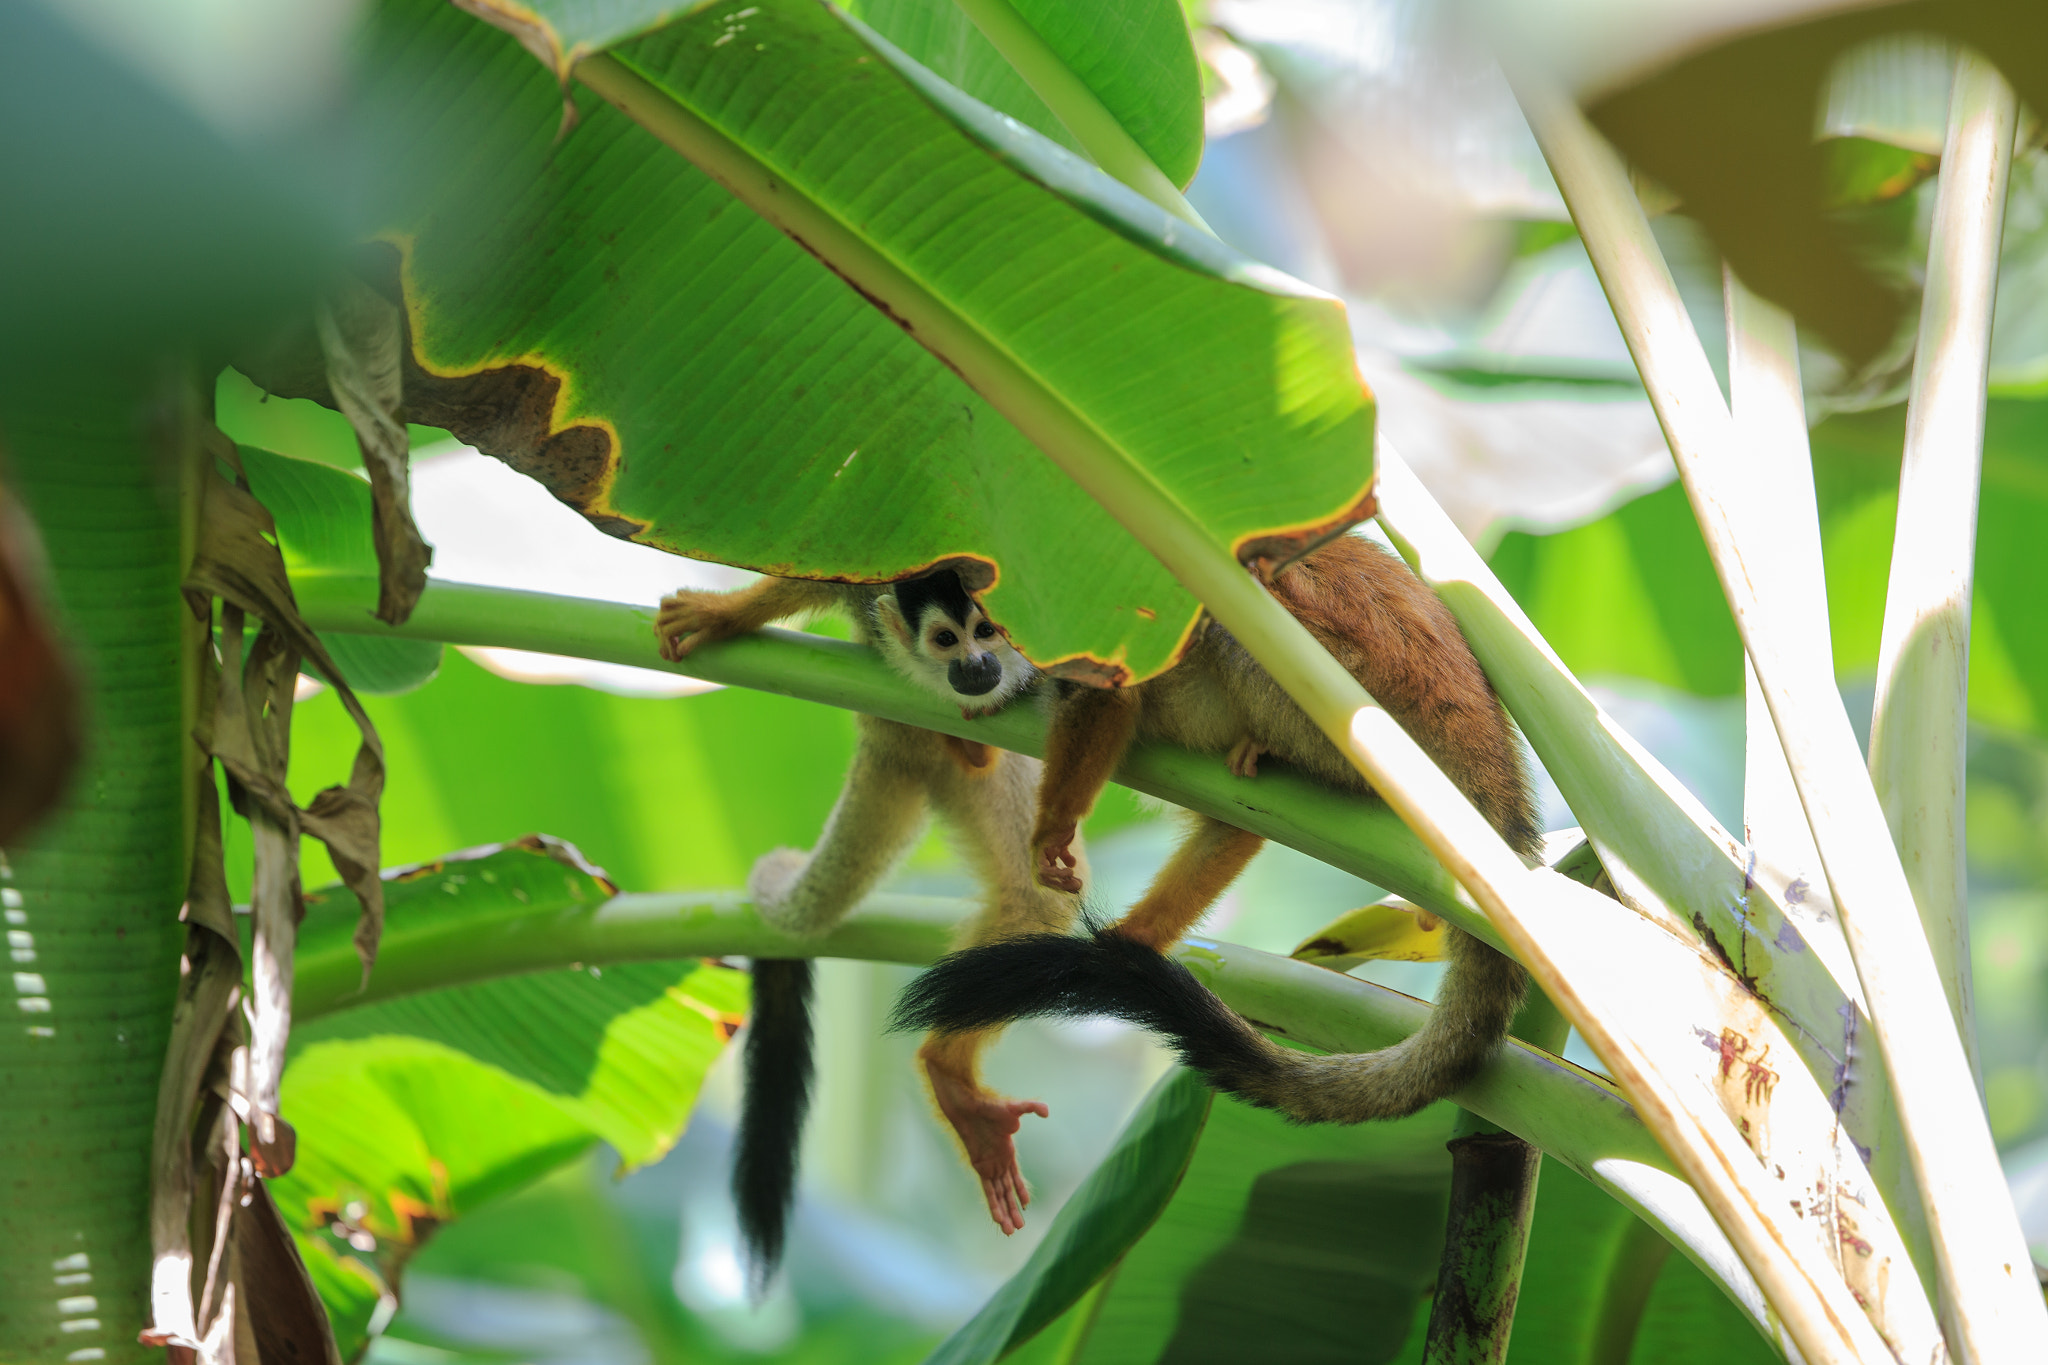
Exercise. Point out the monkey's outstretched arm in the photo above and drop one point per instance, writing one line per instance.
(1091, 729)
(690, 618)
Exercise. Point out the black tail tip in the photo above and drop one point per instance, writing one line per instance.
(777, 1066)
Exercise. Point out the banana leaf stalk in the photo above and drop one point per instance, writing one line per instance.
(1917, 723)
(1995, 1307)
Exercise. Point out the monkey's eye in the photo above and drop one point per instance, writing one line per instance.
(984, 630)
(945, 639)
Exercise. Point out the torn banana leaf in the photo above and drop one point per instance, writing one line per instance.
(607, 318)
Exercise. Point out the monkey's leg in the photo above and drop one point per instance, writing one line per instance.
(879, 813)
(1091, 729)
(987, 812)
(1204, 865)
(689, 618)
(985, 1122)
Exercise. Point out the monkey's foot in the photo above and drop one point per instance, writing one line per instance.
(1057, 861)
(1244, 756)
(986, 1122)
(688, 619)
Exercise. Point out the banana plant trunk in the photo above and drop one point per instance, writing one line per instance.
(91, 896)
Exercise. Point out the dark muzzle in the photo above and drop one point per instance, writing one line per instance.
(974, 676)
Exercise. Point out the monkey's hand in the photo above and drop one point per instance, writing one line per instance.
(1056, 858)
(986, 1123)
(688, 619)
(1244, 756)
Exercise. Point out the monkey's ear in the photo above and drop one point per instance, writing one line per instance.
(891, 617)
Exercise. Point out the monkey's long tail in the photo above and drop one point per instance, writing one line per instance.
(1109, 974)
(777, 1067)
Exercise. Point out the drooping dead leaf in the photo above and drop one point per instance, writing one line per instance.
(363, 338)
(227, 1286)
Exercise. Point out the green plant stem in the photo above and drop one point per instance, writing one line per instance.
(1076, 106)
(1493, 1202)
(1360, 836)
(92, 895)
(1494, 1176)
(1567, 1112)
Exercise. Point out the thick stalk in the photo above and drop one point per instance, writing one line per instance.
(1076, 106)
(1986, 1277)
(1919, 720)
(91, 897)
(1486, 1236)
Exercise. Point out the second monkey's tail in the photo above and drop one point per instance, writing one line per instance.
(1109, 974)
(777, 1068)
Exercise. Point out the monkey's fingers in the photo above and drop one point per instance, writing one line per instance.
(1055, 873)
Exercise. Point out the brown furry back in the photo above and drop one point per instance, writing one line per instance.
(1390, 632)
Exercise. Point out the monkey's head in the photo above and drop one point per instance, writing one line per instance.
(938, 636)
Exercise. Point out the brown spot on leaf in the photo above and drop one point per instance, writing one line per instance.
(507, 410)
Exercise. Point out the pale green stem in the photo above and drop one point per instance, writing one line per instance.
(1567, 1112)
(1919, 720)
(1358, 835)
(1767, 405)
(1986, 1277)
(1076, 106)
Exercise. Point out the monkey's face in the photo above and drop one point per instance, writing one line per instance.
(945, 642)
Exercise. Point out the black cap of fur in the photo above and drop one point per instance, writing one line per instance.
(943, 589)
(1104, 974)
(777, 1066)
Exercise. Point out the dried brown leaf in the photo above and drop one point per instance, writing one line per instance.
(362, 336)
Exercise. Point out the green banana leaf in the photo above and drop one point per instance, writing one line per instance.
(414, 1111)
(681, 372)
(1113, 1208)
(1320, 1244)
(323, 527)
(1133, 55)
(1282, 1243)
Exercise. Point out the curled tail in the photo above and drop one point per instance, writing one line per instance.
(777, 1067)
(1109, 974)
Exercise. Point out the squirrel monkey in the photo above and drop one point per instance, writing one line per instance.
(933, 632)
(1402, 644)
